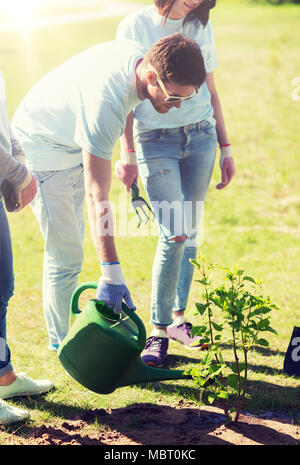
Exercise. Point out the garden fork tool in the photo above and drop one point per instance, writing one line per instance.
(139, 203)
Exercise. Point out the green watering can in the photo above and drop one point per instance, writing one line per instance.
(102, 349)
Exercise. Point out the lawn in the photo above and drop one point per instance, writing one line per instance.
(254, 223)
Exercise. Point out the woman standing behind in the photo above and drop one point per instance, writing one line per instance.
(175, 155)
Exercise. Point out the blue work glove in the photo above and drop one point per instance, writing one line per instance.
(113, 294)
(112, 288)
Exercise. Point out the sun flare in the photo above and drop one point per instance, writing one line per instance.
(21, 12)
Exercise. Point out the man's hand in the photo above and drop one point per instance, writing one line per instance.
(227, 167)
(113, 295)
(112, 288)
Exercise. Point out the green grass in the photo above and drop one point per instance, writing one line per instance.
(254, 223)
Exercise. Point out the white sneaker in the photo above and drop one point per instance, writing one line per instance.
(24, 385)
(9, 414)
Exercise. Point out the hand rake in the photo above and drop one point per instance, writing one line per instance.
(139, 203)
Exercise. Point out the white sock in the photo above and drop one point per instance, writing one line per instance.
(159, 333)
(178, 320)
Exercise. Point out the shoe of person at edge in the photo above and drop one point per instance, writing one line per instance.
(25, 386)
(155, 351)
(53, 347)
(182, 333)
(10, 414)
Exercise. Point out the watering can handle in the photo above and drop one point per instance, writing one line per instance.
(75, 310)
(138, 322)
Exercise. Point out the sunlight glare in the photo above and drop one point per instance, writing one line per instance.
(21, 11)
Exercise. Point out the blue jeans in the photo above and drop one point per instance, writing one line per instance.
(59, 209)
(6, 287)
(175, 166)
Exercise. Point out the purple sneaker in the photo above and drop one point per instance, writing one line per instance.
(155, 351)
(182, 333)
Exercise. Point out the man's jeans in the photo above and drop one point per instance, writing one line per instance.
(175, 166)
(6, 287)
(59, 209)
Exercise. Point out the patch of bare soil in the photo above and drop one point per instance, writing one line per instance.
(178, 424)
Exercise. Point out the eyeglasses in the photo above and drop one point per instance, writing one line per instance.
(172, 98)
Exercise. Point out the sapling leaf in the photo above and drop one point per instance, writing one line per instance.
(230, 276)
(201, 307)
(234, 367)
(211, 398)
(198, 330)
(248, 278)
(223, 394)
(233, 381)
(262, 342)
(224, 268)
(221, 358)
(195, 263)
(216, 326)
(217, 370)
(254, 313)
(271, 330)
(263, 324)
(204, 281)
(216, 301)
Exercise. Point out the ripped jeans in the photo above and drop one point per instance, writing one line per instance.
(175, 166)
(6, 287)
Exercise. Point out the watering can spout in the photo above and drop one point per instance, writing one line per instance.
(102, 349)
(139, 373)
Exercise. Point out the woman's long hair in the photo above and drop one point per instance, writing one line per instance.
(201, 13)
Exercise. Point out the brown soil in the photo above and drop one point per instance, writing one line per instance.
(178, 424)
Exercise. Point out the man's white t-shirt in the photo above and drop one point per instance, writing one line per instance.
(146, 26)
(82, 104)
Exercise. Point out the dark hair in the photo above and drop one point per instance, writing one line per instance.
(179, 59)
(200, 13)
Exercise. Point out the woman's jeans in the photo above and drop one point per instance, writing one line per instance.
(175, 166)
(59, 208)
(6, 287)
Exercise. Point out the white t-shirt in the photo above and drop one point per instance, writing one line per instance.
(82, 104)
(147, 26)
